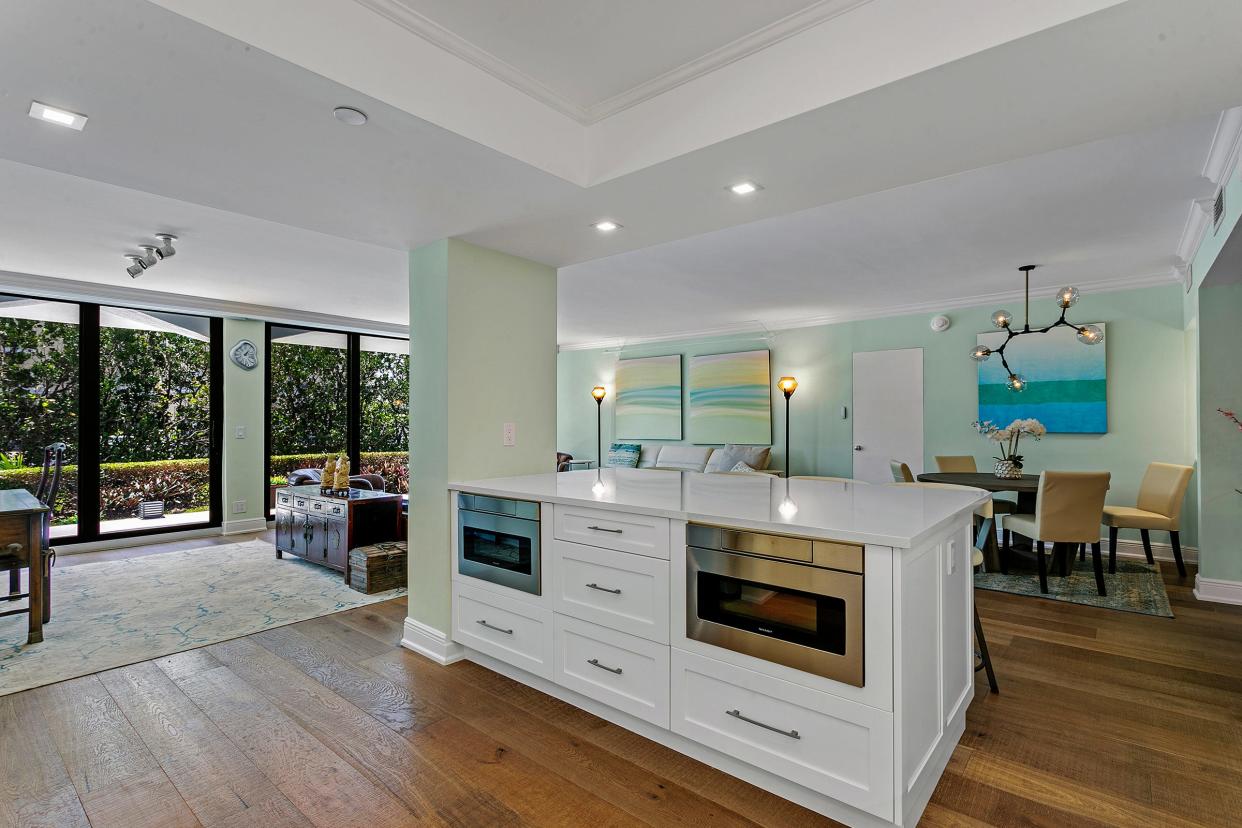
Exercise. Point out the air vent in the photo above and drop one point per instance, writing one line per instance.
(1218, 209)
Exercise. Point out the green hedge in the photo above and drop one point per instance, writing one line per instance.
(183, 485)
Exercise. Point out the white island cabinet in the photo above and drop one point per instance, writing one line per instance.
(811, 637)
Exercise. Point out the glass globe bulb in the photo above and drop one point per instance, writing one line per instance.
(1016, 383)
(980, 352)
(1002, 318)
(1067, 296)
(1090, 335)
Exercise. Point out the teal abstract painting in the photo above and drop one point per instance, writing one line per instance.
(1066, 382)
(731, 399)
(649, 398)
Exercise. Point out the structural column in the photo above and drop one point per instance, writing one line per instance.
(482, 354)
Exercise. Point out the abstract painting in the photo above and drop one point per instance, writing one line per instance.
(1066, 382)
(731, 399)
(649, 398)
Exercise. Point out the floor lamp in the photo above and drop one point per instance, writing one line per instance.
(788, 386)
(599, 392)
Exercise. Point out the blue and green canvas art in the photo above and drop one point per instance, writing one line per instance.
(1066, 382)
(649, 398)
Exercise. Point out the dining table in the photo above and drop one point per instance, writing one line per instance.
(1026, 487)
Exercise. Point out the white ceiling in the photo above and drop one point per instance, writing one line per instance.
(235, 149)
(1105, 213)
(588, 51)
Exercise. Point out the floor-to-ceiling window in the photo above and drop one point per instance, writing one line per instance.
(384, 408)
(333, 394)
(134, 395)
(39, 357)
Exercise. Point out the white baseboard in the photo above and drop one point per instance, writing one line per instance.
(425, 639)
(241, 527)
(1159, 551)
(1218, 591)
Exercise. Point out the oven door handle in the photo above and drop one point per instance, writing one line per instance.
(737, 714)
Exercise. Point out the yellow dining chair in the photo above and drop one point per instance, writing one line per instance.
(965, 464)
(1159, 507)
(1068, 511)
(976, 560)
(901, 472)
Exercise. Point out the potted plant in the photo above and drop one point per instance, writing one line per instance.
(1009, 464)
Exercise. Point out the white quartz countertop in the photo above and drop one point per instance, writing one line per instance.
(887, 515)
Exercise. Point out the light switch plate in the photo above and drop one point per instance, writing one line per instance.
(240, 432)
(239, 507)
(510, 434)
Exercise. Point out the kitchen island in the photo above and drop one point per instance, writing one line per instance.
(811, 637)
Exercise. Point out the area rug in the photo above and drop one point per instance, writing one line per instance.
(113, 613)
(1136, 587)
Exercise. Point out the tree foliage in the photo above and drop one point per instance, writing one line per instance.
(309, 407)
(38, 386)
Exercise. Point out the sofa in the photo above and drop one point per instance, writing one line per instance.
(702, 458)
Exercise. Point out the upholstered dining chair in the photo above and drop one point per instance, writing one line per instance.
(984, 511)
(901, 472)
(965, 464)
(1159, 507)
(1068, 511)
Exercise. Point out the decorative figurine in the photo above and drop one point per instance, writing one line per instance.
(329, 476)
(342, 476)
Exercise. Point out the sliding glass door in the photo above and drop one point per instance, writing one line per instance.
(333, 394)
(134, 395)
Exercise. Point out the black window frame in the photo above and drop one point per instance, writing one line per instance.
(88, 436)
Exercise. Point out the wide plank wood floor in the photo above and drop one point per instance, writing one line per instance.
(1104, 718)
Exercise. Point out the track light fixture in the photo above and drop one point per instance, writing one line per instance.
(151, 255)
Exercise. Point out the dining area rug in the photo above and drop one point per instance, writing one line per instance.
(1135, 587)
(113, 613)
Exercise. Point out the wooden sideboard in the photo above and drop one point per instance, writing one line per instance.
(322, 529)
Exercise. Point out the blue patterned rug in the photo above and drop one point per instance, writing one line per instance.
(1136, 587)
(114, 613)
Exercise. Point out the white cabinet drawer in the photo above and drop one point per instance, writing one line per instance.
(837, 747)
(616, 589)
(639, 534)
(628, 673)
(516, 632)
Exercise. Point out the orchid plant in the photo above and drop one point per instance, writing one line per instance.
(1007, 438)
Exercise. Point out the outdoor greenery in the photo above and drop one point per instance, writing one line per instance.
(155, 424)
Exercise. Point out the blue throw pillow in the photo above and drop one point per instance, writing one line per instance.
(624, 455)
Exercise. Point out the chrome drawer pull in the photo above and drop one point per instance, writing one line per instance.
(595, 663)
(604, 589)
(493, 627)
(737, 714)
(602, 529)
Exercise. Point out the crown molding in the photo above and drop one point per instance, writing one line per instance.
(770, 328)
(435, 34)
(45, 287)
(1198, 219)
(418, 24)
(1222, 156)
(756, 41)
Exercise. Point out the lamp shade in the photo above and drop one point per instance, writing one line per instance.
(599, 392)
(788, 385)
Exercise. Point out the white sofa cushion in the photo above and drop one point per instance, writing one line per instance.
(647, 457)
(684, 458)
(724, 459)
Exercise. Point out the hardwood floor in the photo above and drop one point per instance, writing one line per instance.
(1104, 718)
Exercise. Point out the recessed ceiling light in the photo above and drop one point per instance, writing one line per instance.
(349, 115)
(60, 117)
(606, 226)
(744, 188)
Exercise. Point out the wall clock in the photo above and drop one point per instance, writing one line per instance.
(245, 354)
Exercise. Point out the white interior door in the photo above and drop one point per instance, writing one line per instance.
(888, 412)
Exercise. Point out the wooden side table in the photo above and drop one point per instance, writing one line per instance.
(24, 541)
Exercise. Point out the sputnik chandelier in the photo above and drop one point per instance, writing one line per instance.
(1003, 319)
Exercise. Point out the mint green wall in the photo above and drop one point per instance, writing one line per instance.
(483, 347)
(242, 472)
(1220, 464)
(1146, 388)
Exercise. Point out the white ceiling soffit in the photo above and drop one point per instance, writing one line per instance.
(835, 49)
(1103, 215)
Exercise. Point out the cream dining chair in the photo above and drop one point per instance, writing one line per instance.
(976, 560)
(1067, 512)
(901, 472)
(965, 464)
(1159, 507)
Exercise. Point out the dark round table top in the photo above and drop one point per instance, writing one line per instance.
(984, 480)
